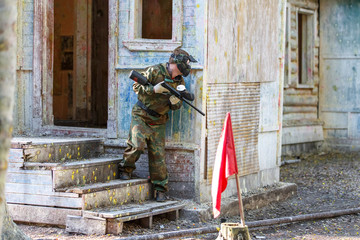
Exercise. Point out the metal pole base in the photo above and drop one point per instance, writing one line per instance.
(234, 231)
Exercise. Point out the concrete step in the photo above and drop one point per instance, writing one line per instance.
(114, 193)
(51, 149)
(111, 220)
(79, 173)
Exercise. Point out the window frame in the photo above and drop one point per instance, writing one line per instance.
(136, 43)
(287, 73)
(311, 50)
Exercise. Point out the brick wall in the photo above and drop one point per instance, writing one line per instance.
(181, 170)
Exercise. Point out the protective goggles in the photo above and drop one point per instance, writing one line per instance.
(182, 62)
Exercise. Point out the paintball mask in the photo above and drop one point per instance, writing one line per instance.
(183, 63)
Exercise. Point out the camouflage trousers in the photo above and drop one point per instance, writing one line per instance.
(153, 136)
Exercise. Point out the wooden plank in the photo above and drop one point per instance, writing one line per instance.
(36, 189)
(40, 165)
(114, 226)
(112, 126)
(42, 215)
(50, 152)
(31, 172)
(87, 163)
(153, 213)
(131, 209)
(96, 187)
(14, 166)
(77, 224)
(16, 155)
(40, 141)
(28, 178)
(42, 200)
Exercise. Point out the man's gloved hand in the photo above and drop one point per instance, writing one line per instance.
(160, 89)
(174, 100)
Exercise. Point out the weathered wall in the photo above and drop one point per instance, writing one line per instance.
(192, 41)
(339, 66)
(25, 34)
(183, 132)
(300, 112)
(244, 77)
(241, 50)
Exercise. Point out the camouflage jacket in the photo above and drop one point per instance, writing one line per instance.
(157, 102)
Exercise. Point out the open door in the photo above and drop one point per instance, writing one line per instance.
(80, 87)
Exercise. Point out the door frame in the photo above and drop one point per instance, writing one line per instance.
(43, 60)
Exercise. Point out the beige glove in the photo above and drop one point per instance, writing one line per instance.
(174, 100)
(160, 89)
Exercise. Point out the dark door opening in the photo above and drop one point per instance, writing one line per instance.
(80, 87)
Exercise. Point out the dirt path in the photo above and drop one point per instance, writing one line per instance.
(325, 182)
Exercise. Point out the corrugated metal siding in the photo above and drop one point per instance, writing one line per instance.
(242, 100)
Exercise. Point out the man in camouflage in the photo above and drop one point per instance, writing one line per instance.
(149, 116)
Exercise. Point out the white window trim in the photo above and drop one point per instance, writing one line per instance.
(136, 43)
(310, 82)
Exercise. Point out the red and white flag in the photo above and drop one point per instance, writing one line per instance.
(225, 164)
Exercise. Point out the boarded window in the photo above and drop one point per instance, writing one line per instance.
(157, 19)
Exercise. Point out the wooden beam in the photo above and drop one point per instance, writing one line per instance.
(42, 215)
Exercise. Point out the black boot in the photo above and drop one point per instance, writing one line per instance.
(125, 176)
(160, 196)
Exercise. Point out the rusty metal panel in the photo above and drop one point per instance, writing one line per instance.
(242, 100)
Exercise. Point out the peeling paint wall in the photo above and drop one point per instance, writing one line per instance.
(184, 129)
(181, 127)
(339, 67)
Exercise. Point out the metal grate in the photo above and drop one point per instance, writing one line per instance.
(242, 100)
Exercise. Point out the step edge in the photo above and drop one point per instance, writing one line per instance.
(30, 144)
(75, 164)
(117, 213)
(151, 213)
(85, 190)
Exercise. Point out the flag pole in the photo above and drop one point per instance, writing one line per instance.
(241, 209)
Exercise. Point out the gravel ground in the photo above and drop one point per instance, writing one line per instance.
(326, 181)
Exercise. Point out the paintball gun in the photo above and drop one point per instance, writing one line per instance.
(182, 94)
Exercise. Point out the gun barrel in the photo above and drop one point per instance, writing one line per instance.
(137, 77)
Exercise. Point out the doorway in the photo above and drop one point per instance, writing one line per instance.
(80, 78)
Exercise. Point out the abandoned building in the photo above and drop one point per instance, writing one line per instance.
(285, 70)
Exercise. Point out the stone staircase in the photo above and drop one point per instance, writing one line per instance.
(70, 182)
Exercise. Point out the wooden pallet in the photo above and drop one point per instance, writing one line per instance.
(111, 220)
